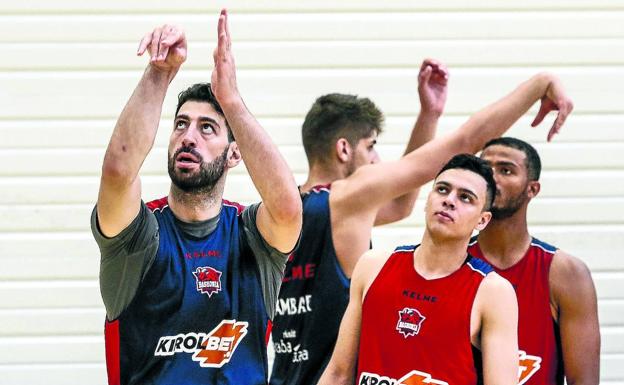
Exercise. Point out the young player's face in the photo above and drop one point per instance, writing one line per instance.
(511, 176)
(455, 205)
(198, 147)
(364, 153)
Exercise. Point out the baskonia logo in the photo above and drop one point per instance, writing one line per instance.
(415, 377)
(409, 322)
(208, 280)
(211, 350)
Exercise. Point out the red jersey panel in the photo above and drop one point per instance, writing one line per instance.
(538, 339)
(415, 330)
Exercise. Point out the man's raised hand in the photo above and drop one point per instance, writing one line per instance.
(432, 86)
(166, 46)
(555, 99)
(223, 79)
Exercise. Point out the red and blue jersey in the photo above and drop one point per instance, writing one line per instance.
(538, 334)
(198, 316)
(416, 330)
(312, 300)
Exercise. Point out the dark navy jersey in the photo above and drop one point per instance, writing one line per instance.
(198, 316)
(312, 300)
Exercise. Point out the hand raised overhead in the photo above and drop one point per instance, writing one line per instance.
(432, 86)
(555, 99)
(166, 46)
(223, 79)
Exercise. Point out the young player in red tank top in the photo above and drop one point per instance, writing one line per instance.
(558, 331)
(430, 314)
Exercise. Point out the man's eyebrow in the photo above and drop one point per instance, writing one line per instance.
(505, 163)
(209, 119)
(201, 119)
(469, 192)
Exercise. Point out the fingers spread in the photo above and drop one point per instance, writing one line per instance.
(155, 43)
(144, 43)
(171, 37)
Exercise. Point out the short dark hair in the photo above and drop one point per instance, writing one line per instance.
(533, 162)
(201, 92)
(335, 116)
(478, 166)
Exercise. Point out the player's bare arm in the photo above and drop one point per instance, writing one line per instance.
(574, 304)
(342, 366)
(352, 230)
(494, 329)
(432, 91)
(120, 188)
(362, 194)
(280, 215)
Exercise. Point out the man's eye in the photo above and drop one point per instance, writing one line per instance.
(180, 124)
(465, 198)
(442, 189)
(207, 129)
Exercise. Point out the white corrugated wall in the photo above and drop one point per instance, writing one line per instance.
(67, 67)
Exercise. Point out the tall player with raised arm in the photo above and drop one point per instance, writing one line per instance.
(190, 281)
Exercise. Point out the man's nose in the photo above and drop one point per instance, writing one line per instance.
(449, 201)
(189, 140)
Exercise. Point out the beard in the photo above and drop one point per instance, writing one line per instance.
(509, 207)
(200, 181)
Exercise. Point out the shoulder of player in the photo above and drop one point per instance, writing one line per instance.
(568, 275)
(568, 267)
(494, 282)
(495, 288)
(368, 266)
(495, 299)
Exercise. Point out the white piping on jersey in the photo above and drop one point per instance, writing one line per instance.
(532, 244)
(319, 189)
(239, 208)
(165, 206)
(543, 248)
(475, 269)
(160, 208)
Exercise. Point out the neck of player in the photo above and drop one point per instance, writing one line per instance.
(320, 176)
(438, 258)
(505, 241)
(196, 206)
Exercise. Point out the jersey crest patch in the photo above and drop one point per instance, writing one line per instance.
(527, 367)
(410, 321)
(208, 280)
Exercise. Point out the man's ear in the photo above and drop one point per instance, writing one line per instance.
(234, 156)
(343, 150)
(533, 188)
(486, 216)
